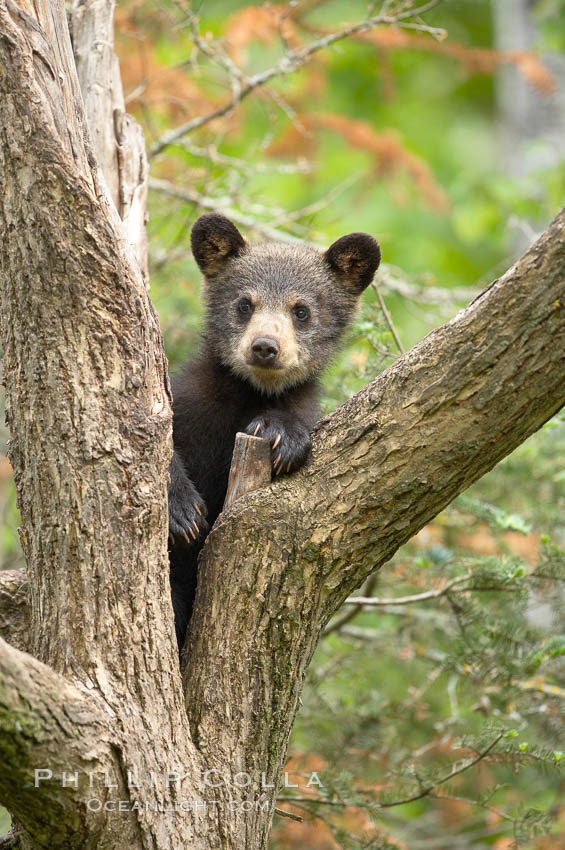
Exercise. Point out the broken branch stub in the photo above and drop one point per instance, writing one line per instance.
(250, 467)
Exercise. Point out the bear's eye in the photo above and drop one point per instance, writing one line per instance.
(245, 307)
(302, 313)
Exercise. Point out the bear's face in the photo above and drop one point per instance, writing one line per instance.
(276, 312)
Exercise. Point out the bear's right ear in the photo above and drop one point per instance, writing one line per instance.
(214, 240)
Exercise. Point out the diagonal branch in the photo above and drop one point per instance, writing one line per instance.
(49, 729)
(426, 790)
(382, 602)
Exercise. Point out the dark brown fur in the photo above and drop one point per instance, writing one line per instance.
(301, 300)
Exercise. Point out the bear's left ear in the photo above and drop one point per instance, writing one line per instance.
(214, 240)
(355, 258)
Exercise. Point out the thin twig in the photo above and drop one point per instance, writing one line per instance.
(393, 278)
(473, 802)
(191, 197)
(290, 815)
(238, 78)
(425, 792)
(216, 53)
(541, 687)
(214, 156)
(270, 230)
(438, 33)
(388, 318)
(288, 64)
(317, 206)
(380, 602)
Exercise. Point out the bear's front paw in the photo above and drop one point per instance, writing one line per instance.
(290, 442)
(187, 516)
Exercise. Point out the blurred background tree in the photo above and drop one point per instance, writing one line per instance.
(434, 709)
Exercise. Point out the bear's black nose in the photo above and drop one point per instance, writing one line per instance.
(265, 351)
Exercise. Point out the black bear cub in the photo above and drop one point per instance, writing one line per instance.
(274, 317)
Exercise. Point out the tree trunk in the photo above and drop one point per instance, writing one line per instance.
(99, 691)
(88, 404)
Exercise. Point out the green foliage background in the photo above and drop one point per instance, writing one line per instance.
(396, 697)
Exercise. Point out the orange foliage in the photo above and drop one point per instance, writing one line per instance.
(453, 813)
(315, 83)
(477, 59)
(316, 835)
(532, 69)
(296, 142)
(313, 834)
(389, 155)
(265, 24)
(6, 471)
(304, 763)
(169, 90)
(482, 541)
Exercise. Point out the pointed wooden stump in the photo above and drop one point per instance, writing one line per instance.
(250, 467)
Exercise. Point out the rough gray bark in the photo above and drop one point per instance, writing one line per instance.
(89, 410)
(14, 608)
(41, 714)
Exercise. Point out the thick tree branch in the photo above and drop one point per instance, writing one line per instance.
(91, 302)
(47, 725)
(250, 469)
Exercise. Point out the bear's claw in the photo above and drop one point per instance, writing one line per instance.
(187, 513)
(289, 439)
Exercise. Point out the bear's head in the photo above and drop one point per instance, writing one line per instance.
(276, 312)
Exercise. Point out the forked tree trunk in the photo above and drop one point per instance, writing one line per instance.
(98, 691)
